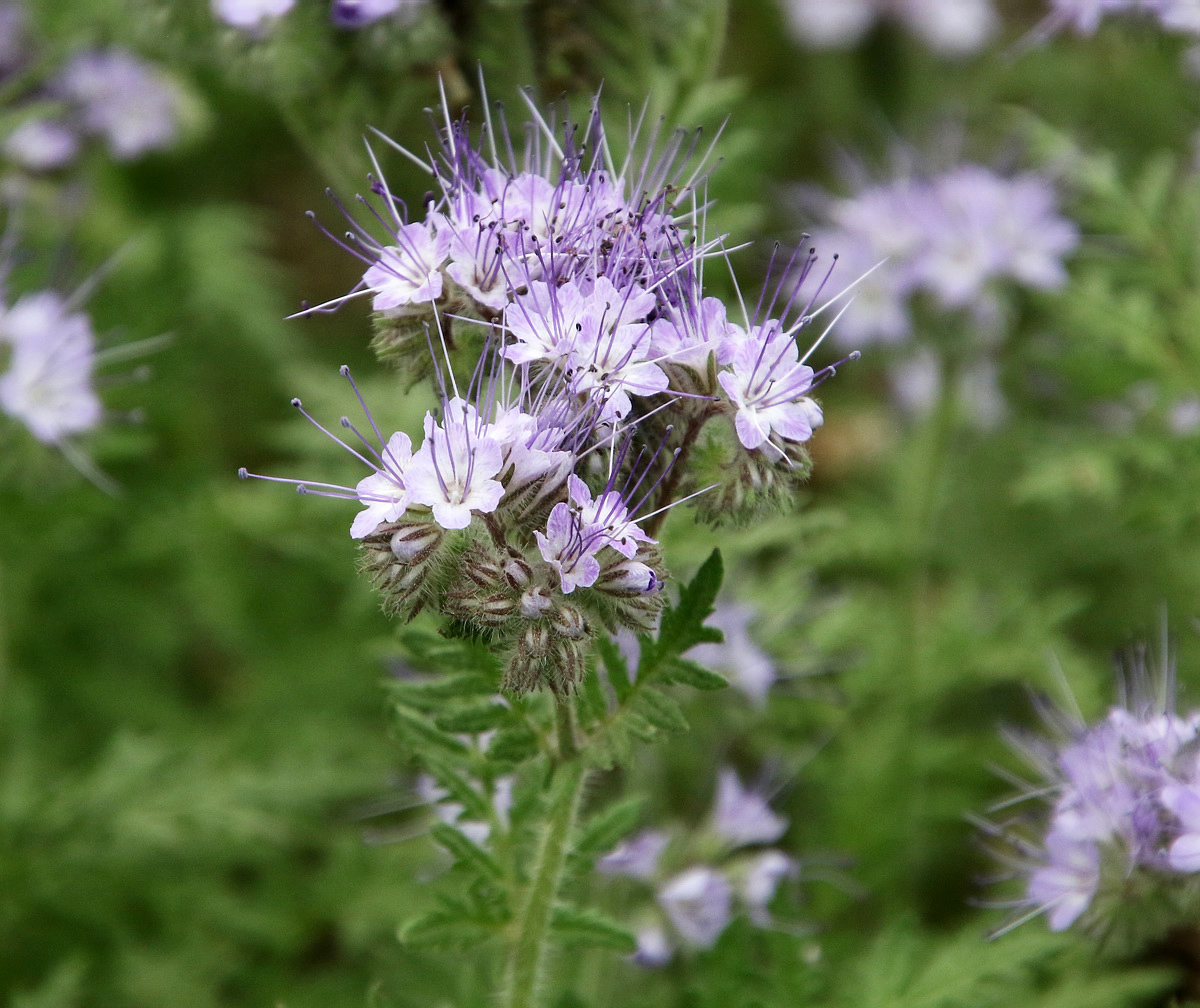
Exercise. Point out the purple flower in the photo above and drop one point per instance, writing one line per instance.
(1126, 809)
(699, 903)
(409, 271)
(760, 880)
(742, 817)
(1064, 886)
(636, 857)
(453, 472)
(953, 236)
(768, 386)
(130, 103)
(1183, 802)
(48, 384)
(383, 493)
(252, 16)
(42, 145)
(360, 13)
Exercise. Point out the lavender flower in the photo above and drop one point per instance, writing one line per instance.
(48, 384)
(252, 16)
(636, 857)
(706, 883)
(131, 104)
(39, 145)
(699, 904)
(1084, 16)
(951, 27)
(1124, 828)
(953, 236)
(557, 301)
(14, 21)
(738, 657)
(741, 817)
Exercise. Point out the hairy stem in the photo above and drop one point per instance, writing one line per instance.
(531, 946)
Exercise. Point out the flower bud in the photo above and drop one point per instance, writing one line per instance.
(413, 543)
(517, 573)
(535, 601)
(567, 621)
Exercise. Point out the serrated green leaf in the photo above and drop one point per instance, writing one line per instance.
(638, 726)
(466, 851)
(421, 732)
(513, 744)
(683, 623)
(442, 927)
(473, 718)
(605, 829)
(460, 790)
(661, 711)
(588, 927)
(688, 673)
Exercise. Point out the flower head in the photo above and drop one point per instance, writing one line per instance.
(128, 102)
(1124, 823)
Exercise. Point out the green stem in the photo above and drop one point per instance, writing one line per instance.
(565, 723)
(531, 947)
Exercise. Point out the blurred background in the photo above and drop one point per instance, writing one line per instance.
(200, 803)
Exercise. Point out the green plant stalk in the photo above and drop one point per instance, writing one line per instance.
(531, 946)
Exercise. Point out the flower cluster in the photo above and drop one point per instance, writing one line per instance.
(258, 17)
(557, 302)
(953, 27)
(694, 904)
(951, 237)
(1121, 853)
(1084, 16)
(109, 94)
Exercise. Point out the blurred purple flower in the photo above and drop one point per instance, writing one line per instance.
(39, 145)
(742, 817)
(130, 103)
(951, 27)
(636, 857)
(698, 902)
(738, 657)
(253, 16)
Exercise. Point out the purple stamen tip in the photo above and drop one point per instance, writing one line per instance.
(297, 403)
(243, 473)
(344, 370)
(854, 355)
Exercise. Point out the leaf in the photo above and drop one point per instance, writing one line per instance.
(683, 624)
(473, 718)
(466, 852)
(513, 743)
(688, 673)
(420, 733)
(587, 927)
(614, 665)
(603, 831)
(661, 711)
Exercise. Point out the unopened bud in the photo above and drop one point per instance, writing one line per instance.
(567, 621)
(517, 573)
(535, 602)
(412, 544)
